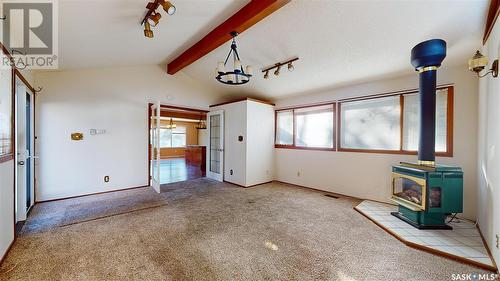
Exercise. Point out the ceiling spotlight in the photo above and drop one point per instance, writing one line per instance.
(168, 7)
(277, 72)
(154, 19)
(290, 67)
(266, 76)
(147, 30)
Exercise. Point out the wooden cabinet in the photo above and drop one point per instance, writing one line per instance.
(196, 156)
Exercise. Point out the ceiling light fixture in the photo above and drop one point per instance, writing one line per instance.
(479, 62)
(277, 66)
(236, 75)
(171, 125)
(152, 17)
(168, 7)
(147, 30)
(266, 76)
(277, 72)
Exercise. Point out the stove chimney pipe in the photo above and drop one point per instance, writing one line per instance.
(426, 57)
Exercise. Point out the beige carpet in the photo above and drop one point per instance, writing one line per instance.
(204, 230)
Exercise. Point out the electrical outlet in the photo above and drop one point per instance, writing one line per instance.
(498, 238)
(106, 179)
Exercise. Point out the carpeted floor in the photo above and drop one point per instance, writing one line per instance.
(205, 230)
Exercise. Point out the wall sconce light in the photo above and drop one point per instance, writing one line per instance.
(152, 17)
(479, 62)
(277, 66)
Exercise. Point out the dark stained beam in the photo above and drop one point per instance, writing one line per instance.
(493, 14)
(246, 17)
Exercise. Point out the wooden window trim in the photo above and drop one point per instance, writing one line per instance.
(338, 130)
(294, 115)
(493, 14)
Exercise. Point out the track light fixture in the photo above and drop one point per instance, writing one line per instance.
(277, 72)
(147, 30)
(168, 7)
(152, 17)
(266, 76)
(277, 66)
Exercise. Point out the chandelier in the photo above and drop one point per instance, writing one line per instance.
(235, 75)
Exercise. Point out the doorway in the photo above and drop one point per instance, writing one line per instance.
(25, 145)
(178, 140)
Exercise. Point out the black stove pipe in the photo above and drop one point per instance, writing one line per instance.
(426, 57)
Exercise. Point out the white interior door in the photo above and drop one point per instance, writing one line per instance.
(215, 157)
(155, 147)
(25, 179)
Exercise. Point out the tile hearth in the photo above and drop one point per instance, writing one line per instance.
(464, 242)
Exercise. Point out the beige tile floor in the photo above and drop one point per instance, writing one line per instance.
(463, 241)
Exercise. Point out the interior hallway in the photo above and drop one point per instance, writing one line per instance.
(202, 229)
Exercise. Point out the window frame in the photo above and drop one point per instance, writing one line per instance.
(337, 106)
(294, 125)
(171, 139)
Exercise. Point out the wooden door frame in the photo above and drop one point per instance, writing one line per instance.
(167, 107)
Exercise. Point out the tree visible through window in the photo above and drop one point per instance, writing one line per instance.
(175, 137)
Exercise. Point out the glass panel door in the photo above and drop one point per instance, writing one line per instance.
(155, 147)
(215, 159)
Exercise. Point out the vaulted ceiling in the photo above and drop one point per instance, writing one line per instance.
(338, 42)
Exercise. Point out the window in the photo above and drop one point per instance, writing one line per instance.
(392, 124)
(371, 124)
(307, 128)
(411, 123)
(173, 137)
(284, 129)
(314, 127)
(383, 124)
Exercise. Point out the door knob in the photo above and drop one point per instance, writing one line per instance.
(20, 163)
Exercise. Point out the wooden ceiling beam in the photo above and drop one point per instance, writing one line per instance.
(246, 17)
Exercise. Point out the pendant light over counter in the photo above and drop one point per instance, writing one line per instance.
(237, 74)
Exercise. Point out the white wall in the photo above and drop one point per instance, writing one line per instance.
(113, 99)
(489, 141)
(367, 175)
(260, 143)
(235, 116)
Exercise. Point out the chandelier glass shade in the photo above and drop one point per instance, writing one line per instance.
(237, 74)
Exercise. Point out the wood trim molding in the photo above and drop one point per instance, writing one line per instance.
(90, 194)
(246, 17)
(243, 99)
(254, 185)
(493, 14)
(430, 250)
(23, 79)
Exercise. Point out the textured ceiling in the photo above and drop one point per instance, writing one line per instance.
(338, 42)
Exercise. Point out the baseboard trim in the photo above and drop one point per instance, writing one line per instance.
(333, 193)
(90, 194)
(487, 247)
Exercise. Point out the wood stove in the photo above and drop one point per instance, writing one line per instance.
(425, 192)
(426, 195)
